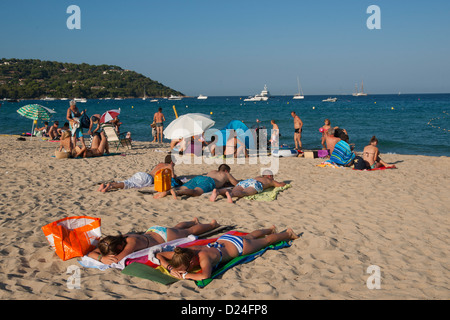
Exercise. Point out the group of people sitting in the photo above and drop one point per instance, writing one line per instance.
(198, 146)
(74, 133)
(54, 132)
(336, 140)
(181, 262)
(219, 182)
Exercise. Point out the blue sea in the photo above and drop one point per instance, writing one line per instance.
(416, 124)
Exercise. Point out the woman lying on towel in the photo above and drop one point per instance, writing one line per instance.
(112, 249)
(183, 260)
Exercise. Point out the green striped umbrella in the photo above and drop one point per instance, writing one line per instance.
(34, 112)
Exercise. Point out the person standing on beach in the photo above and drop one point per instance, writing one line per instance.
(158, 119)
(73, 116)
(298, 125)
(274, 138)
(324, 130)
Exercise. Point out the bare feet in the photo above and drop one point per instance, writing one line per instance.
(214, 224)
(160, 195)
(195, 220)
(229, 199)
(292, 234)
(101, 187)
(106, 188)
(213, 195)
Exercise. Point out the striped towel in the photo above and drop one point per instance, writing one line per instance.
(342, 155)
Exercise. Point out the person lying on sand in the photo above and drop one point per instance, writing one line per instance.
(248, 187)
(140, 179)
(112, 249)
(182, 261)
(201, 184)
(98, 148)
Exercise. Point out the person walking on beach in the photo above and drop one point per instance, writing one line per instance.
(158, 119)
(298, 124)
(182, 262)
(274, 138)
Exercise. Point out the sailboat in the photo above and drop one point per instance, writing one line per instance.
(145, 96)
(359, 94)
(299, 95)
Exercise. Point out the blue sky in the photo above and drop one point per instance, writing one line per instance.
(234, 47)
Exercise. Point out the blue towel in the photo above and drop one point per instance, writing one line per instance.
(342, 155)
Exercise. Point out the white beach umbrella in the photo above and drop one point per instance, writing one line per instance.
(188, 125)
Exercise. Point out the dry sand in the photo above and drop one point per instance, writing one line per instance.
(350, 220)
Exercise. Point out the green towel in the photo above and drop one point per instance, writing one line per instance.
(269, 194)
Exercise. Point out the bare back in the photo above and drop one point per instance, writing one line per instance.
(221, 178)
(370, 154)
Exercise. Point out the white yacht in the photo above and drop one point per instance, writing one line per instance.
(299, 95)
(48, 99)
(263, 96)
(172, 97)
(82, 100)
(357, 93)
(330, 100)
(202, 97)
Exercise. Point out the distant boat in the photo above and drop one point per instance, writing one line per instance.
(82, 100)
(202, 97)
(118, 98)
(48, 99)
(299, 95)
(357, 93)
(172, 97)
(263, 96)
(330, 100)
(145, 96)
(154, 100)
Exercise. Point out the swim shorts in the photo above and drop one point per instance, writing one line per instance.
(138, 180)
(255, 184)
(162, 231)
(207, 184)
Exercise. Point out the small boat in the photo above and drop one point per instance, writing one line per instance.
(48, 99)
(145, 96)
(263, 96)
(154, 100)
(172, 97)
(202, 97)
(357, 93)
(299, 95)
(330, 100)
(82, 100)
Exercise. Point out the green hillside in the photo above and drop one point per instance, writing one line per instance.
(33, 79)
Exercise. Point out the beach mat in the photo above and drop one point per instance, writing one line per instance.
(144, 271)
(240, 260)
(269, 194)
(380, 168)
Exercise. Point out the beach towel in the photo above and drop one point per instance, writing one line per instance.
(380, 168)
(342, 154)
(269, 194)
(328, 164)
(147, 270)
(138, 256)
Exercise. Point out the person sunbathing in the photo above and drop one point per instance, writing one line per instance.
(248, 187)
(112, 249)
(98, 147)
(182, 261)
(140, 179)
(201, 184)
(371, 155)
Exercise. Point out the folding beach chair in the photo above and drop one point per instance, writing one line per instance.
(114, 139)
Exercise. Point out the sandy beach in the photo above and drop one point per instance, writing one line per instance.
(349, 220)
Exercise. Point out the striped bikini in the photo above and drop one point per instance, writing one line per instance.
(237, 241)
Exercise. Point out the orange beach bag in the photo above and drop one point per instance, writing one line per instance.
(73, 236)
(163, 179)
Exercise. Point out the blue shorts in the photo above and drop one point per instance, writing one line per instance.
(255, 184)
(207, 184)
